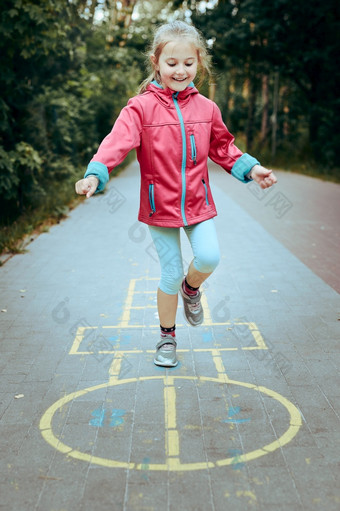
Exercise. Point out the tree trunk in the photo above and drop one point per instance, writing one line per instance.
(251, 112)
(275, 109)
(265, 109)
(285, 109)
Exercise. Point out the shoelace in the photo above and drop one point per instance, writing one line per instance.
(168, 347)
(194, 307)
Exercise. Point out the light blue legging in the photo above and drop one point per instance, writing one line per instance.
(204, 244)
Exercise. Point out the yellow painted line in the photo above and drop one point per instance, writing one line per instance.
(251, 348)
(126, 316)
(98, 461)
(79, 337)
(202, 350)
(173, 443)
(115, 367)
(141, 307)
(120, 326)
(154, 466)
(218, 361)
(128, 302)
(184, 350)
(45, 427)
(106, 352)
(172, 463)
(135, 351)
(207, 316)
(257, 336)
(170, 419)
(170, 406)
(135, 326)
(146, 292)
(294, 425)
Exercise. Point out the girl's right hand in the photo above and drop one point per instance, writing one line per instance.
(87, 186)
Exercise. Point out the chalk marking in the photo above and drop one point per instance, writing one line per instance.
(170, 420)
(75, 349)
(173, 462)
(172, 438)
(126, 317)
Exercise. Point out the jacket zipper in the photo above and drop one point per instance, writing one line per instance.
(184, 155)
(152, 199)
(206, 192)
(193, 149)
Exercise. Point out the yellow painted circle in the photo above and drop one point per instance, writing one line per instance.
(172, 464)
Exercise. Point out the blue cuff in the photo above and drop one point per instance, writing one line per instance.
(95, 168)
(243, 166)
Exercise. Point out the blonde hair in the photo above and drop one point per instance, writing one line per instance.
(167, 33)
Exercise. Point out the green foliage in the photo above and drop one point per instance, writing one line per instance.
(299, 40)
(9, 180)
(63, 82)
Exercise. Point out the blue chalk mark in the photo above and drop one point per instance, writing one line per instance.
(234, 411)
(124, 339)
(117, 417)
(145, 466)
(207, 337)
(236, 464)
(145, 463)
(99, 416)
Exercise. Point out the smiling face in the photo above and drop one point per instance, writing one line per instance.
(177, 64)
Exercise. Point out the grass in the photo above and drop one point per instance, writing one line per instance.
(304, 165)
(300, 164)
(310, 169)
(295, 158)
(15, 236)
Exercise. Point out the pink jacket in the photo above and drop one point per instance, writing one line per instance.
(174, 134)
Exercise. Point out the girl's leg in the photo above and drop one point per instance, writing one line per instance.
(167, 243)
(168, 246)
(194, 277)
(167, 308)
(204, 244)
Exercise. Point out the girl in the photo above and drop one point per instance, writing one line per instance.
(175, 130)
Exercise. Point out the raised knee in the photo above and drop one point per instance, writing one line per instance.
(208, 263)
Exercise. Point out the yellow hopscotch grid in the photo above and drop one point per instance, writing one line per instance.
(172, 434)
(126, 317)
(172, 444)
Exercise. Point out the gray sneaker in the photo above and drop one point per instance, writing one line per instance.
(166, 352)
(193, 309)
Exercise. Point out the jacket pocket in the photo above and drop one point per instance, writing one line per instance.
(152, 199)
(206, 192)
(193, 149)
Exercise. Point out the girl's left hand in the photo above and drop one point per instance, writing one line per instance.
(263, 177)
